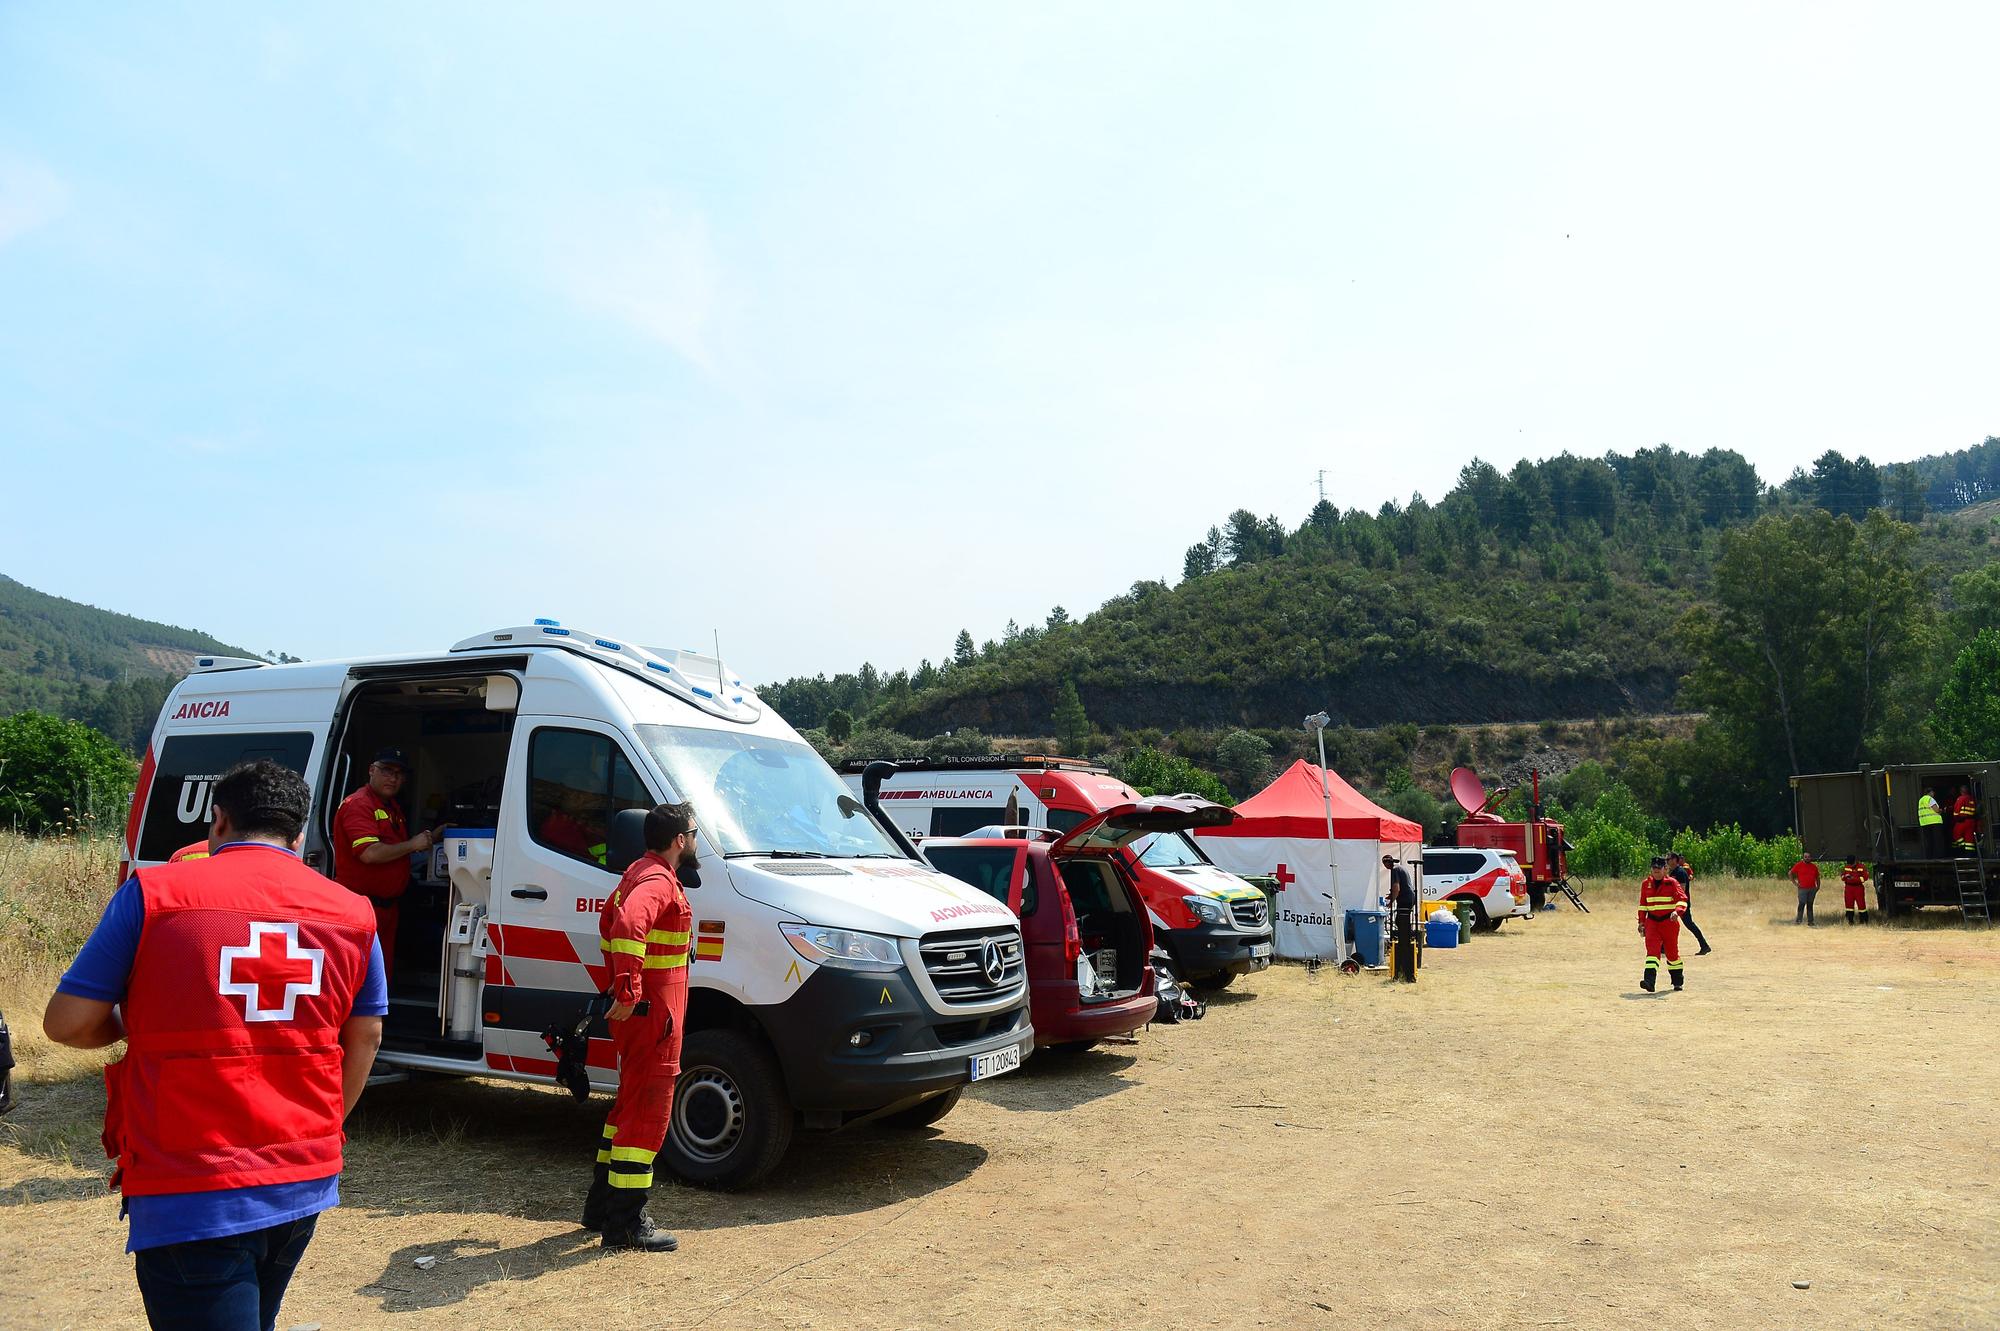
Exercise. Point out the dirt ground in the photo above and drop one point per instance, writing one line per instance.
(1522, 1140)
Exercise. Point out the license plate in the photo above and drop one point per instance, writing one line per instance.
(1260, 949)
(995, 1063)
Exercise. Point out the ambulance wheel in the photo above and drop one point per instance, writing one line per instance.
(731, 1120)
(924, 1112)
(1210, 984)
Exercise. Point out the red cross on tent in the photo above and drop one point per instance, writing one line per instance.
(271, 972)
(1285, 877)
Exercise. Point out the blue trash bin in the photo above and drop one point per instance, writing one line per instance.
(1364, 930)
(1441, 933)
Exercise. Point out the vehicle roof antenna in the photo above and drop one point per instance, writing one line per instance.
(721, 675)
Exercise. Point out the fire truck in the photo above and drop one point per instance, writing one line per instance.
(1538, 843)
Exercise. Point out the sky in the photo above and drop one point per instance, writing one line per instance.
(834, 328)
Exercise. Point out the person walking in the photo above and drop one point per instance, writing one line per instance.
(1805, 877)
(1930, 825)
(1684, 875)
(1660, 903)
(248, 990)
(644, 930)
(1854, 890)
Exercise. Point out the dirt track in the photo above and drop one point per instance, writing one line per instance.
(1522, 1140)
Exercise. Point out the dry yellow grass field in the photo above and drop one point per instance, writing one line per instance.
(1522, 1140)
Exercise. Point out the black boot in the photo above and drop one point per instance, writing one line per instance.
(626, 1224)
(1646, 979)
(1678, 977)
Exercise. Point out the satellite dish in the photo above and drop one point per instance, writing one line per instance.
(1468, 789)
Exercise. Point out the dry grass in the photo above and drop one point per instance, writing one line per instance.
(51, 894)
(1522, 1140)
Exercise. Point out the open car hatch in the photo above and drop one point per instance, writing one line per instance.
(1114, 827)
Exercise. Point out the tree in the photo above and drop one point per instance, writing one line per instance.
(1966, 720)
(964, 652)
(1199, 562)
(55, 773)
(1151, 772)
(1245, 759)
(1072, 726)
(839, 725)
(1815, 617)
(1058, 618)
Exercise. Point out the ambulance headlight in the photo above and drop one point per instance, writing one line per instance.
(848, 949)
(1207, 909)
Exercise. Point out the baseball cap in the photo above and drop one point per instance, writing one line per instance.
(1659, 861)
(392, 758)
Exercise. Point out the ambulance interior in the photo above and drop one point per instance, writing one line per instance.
(456, 731)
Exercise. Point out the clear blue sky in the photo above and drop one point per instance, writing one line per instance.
(357, 328)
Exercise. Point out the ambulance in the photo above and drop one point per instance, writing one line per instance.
(836, 977)
(1213, 925)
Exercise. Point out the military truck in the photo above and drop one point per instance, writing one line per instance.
(1871, 813)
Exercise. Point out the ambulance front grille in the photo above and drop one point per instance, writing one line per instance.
(1250, 916)
(956, 964)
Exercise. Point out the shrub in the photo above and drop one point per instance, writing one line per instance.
(56, 775)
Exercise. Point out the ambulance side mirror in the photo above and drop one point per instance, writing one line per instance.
(626, 841)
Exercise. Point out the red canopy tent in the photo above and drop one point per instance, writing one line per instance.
(1281, 831)
(1291, 806)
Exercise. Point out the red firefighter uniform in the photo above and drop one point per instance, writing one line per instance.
(1854, 892)
(1965, 823)
(1661, 901)
(645, 928)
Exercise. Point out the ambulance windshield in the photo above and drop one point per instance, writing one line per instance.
(1167, 850)
(759, 796)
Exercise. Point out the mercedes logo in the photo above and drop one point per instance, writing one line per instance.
(991, 962)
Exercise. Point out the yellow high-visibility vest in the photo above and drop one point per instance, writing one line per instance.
(1928, 813)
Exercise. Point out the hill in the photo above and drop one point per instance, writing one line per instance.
(1551, 591)
(108, 669)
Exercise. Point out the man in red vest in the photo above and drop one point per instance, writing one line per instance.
(249, 993)
(1965, 823)
(645, 928)
(372, 845)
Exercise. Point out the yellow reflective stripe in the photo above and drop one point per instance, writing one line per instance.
(664, 963)
(363, 841)
(382, 815)
(630, 947)
(664, 936)
(604, 1157)
(619, 1180)
(611, 1129)
(635, 1154)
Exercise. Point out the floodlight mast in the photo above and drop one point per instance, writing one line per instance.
(1317, 723)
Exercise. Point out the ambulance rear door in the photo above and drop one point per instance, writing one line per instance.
(210, 723)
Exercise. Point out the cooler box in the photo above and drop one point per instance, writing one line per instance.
(1441, 933)
(1364, 930)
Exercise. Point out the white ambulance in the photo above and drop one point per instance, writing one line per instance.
(835, 977)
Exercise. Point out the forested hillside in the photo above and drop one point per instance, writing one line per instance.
(109, 670)
(1551, 591)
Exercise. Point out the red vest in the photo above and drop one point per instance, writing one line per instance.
(248, 966)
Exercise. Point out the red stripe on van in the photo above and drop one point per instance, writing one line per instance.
(140, 793)
(519, 940)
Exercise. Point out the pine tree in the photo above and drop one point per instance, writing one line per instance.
(1072, 726)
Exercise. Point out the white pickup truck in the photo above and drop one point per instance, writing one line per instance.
(1490, 879)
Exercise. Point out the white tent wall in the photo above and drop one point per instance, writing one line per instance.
(1309, 923)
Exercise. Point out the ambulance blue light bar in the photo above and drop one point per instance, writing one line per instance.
(664, 668)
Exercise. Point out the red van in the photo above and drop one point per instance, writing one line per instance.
(1212, 924)
(1082, 919)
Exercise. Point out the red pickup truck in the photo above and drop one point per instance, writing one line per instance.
(1082, 919)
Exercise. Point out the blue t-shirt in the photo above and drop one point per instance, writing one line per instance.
(100, 972)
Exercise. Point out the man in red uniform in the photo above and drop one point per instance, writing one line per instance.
(644, 929)
(1660, 902)
(1854, 890)
(1965, 822)
(372, 846)
(249, 994)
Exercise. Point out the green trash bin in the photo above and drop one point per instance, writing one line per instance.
(1463, 909)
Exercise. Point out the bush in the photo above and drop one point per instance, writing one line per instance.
(60, 775)
(1732, 852)
(1151, 772)
(1609, 851)
(1421, 808)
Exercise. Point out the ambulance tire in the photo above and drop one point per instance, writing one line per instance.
(925, 1112)
(731, 1121)
(1212, 984)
